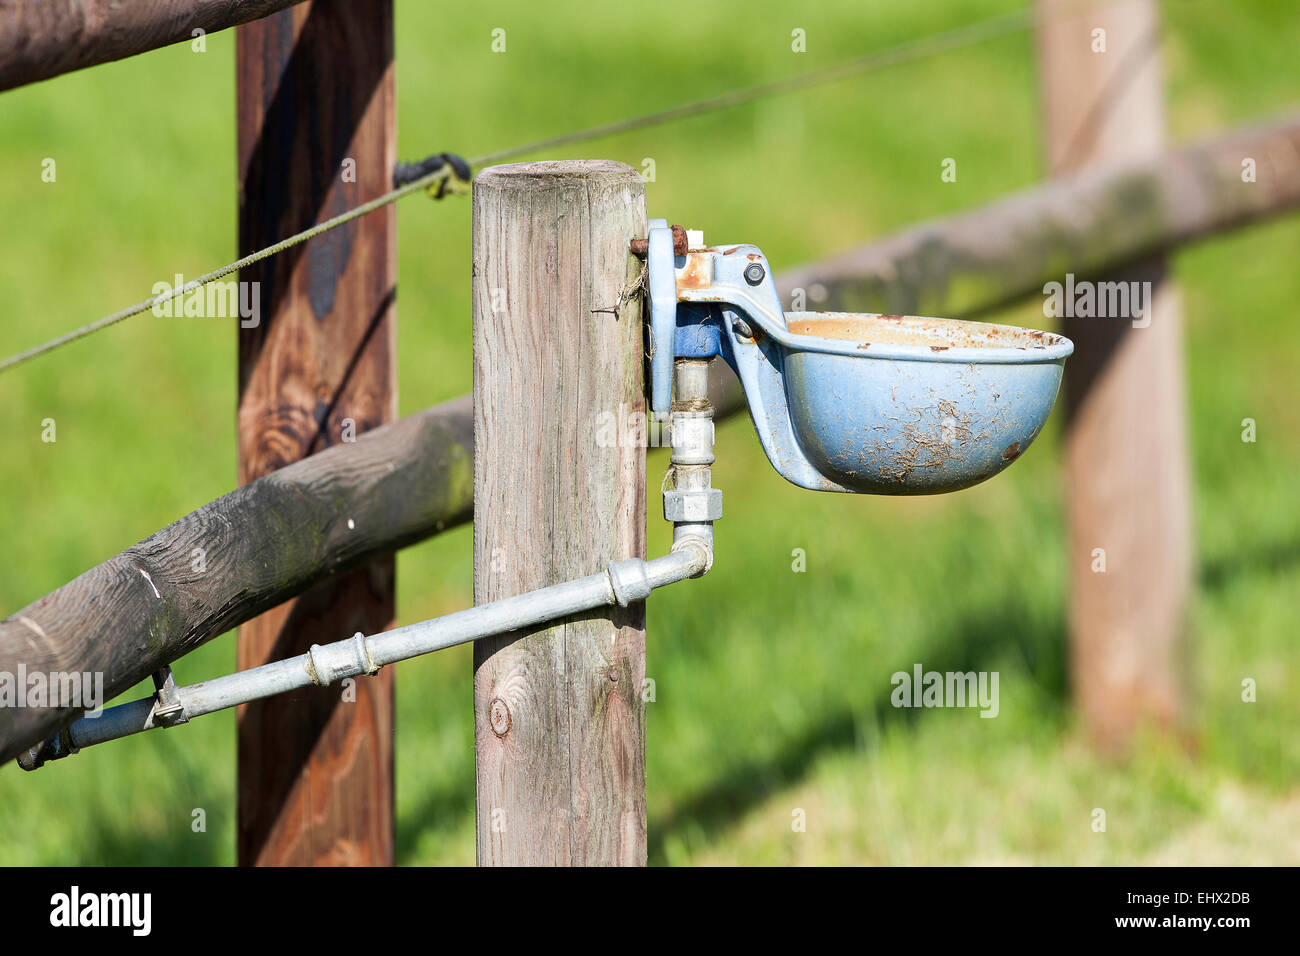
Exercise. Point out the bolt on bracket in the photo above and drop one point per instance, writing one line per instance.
(168, 711)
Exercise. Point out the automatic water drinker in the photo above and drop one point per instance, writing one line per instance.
(882, 404)
(852, 402)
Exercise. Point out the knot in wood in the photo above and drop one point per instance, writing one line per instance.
(499, 717)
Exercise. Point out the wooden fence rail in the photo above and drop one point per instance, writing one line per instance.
(262, 544)
(1086, 224)
(279, 535)
(44, 38)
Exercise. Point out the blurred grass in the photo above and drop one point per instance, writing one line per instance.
(771, 685)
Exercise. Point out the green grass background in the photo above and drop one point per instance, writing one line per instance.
(771, 686)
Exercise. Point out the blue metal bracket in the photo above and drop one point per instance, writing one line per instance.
(661, 284)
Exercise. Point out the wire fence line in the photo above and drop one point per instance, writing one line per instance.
(924, 47)
(198, 283)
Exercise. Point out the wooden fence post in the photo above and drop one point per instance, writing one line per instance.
(559, 491)
(317, 137)
(1127, 495)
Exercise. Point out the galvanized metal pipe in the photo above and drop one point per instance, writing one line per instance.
(694, 503)
(623, 582)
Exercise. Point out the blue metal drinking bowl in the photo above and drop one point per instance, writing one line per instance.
(883, 404)
(899, 405)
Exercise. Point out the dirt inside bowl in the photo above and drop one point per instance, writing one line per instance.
(936, 334)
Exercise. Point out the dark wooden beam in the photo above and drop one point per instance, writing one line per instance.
(260, 545)
(44, 38)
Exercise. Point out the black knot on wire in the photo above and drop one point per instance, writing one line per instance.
(406, 173)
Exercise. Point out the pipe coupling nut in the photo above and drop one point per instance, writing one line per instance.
(54, 748)
(325, 664)
(703, 504)
(692, 439)
(629, 581)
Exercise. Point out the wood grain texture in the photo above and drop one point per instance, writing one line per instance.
(558, 713)
(1128, 487)
(317, 136)
(44, 38)
(265, 542)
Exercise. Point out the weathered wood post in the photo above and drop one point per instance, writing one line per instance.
(317, 137)
(559, 491)
(1127, 495)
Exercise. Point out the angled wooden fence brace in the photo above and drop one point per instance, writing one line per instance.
(559, 718)
(316, 137)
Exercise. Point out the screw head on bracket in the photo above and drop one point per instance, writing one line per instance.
(754, 273)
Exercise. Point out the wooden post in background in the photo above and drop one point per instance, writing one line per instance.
(1127, 489)
(316, 137)
(559, 719)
